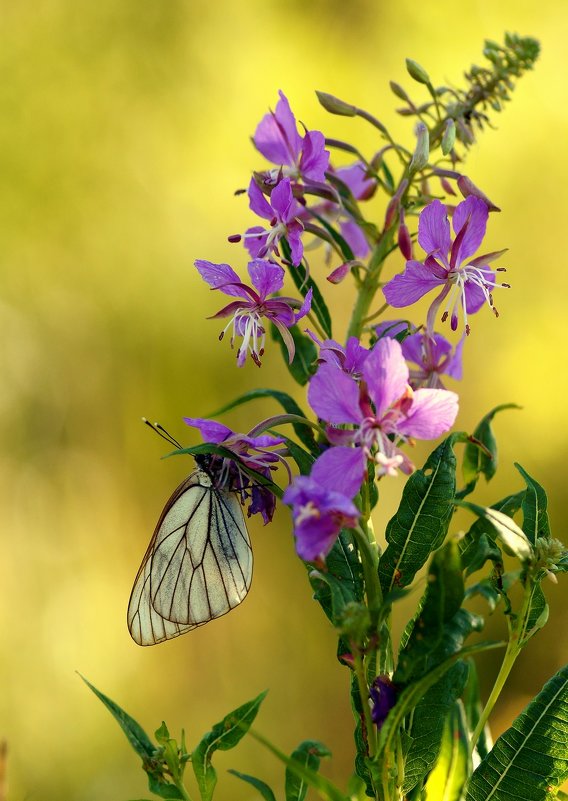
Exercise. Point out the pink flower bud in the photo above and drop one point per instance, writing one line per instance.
(404, 241)
(337, 275)
(467, 187)
(447, 187)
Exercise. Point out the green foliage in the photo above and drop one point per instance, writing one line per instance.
(426, 724)
(483, 460)
(264, 790)
(532, 754)
(342, 581)
(535, 516)
(304, 283)
(302, 366)
(478, 545)
(307, 754)
(448, 777)
(421, 523)
(511, 537)
(224, 735)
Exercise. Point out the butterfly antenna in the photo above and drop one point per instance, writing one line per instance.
(161, 432)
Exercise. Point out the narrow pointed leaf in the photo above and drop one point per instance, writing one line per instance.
(532, 754)
(447, 779)
(308, 754)
(473, 708)
(478, 544)
(342, 581)
(511, 536)
(319, 306)
(427, 725)
(535, 516)
(421, 523)
(223, 736)
(477, 461)
(259, 785)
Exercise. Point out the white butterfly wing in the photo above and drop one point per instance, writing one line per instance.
(198, 565)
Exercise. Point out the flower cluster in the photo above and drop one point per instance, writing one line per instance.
(373, 400)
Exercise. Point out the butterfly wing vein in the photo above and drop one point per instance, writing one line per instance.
(198, 565)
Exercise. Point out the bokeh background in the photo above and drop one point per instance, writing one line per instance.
(124, 130)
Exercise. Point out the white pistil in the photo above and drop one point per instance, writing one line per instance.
(307, 512)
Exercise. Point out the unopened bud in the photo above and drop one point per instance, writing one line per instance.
(336, 106)
(391, 212)
(422, 151)
(404, 241)
(467, 187)
(447, 187)
(416, 71)
(397, 89)
(337, 275)
(449, 137)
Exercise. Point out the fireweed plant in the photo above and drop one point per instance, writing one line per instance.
(421, 727)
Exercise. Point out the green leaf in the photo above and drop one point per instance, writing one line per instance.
(421, 523)
(261, 786)
(477, 546)
(447, 779)
(341, 243)
(441, 626)
(427, 722)
(324, 788)
(303, 365)
(537, 615)
(164, 789)
(135, 734)
(535, 516)
(223, 736)
(473, 708)
(303, 459)
(512, 537)
(308, 754)
(361, 744)
(476, 460)
(319, 307)
(342, 581)
(289, 405)
(532, 754)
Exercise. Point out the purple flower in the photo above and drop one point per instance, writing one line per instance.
(349, 359)
(277, 138)
(246, 313)
(356, 178)
(249, 451)
(464, 284)
(434, 357)
(383, 698)
(282, 211)
(384, 411)
(319, 514)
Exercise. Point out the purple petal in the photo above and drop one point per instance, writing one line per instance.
(295, 231)
(276, 136)
(475, 297)
(432, 413)
(355, 238)
(424, 350)
(356, 179)
(386, 374)
(340, 470)
(258, 202)
(256, 245)
(408, 287)
(266, 276)
(306, 305)
(315, 158)
(287, 338)
(281, 200)
(434, 229)
(391, 328)
(334, 396)
(217, 275)
(454, 367)
(474, 212)
(210, 430)
(279, 309)
(262, 441)
(355, 356)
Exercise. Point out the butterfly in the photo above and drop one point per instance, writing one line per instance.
(198, 565)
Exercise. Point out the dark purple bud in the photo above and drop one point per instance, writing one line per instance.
(447, 187)
(234, 238)
(383, 699)
(336, 276)
(404, 241)
(391, 212)
(467, 187)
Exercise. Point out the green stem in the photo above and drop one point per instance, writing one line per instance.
(514, 648)
(370, 284)
(364, 697)
(183, 792)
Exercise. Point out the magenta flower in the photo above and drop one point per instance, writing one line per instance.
(384, 412)
(254, 305)
(465, 285)
(277, 138)
(435, 357)
(383, 698)
(249, 451)
(282, 210)
(349, 359)
(319, 514)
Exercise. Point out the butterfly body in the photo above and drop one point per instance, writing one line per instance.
(198, 565)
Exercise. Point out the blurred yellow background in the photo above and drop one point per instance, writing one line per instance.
(124, 131)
